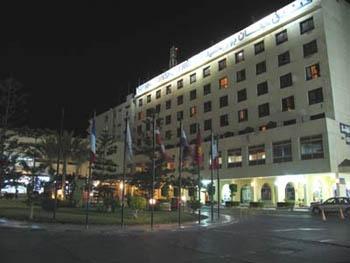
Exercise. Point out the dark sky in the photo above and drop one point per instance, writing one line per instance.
(85, 56)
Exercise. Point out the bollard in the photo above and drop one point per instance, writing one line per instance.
(323, 215)
(341, 214)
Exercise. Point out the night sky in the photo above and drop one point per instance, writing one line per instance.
(84, 56)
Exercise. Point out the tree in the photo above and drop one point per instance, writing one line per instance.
(105, 168)
(12, 101)
(233, 190)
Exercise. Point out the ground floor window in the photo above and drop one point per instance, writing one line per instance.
(266, 194)
(290, 192)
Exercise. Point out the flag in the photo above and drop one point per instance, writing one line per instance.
(198, 157)
(93, 141)
(159, 141)
(214, 153)
(186, 148)
(128, 139)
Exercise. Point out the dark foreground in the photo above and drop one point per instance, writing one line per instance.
(253, 238)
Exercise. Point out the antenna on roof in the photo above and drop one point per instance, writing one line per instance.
(173, 57)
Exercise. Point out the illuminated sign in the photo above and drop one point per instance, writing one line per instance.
(267, 23)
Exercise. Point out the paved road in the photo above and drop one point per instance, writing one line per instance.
(283, 237)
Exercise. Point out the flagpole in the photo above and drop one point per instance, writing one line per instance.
(88, 197)
(153, 167)
(199, 175)
(211, 179)
(58, 163)
(180, 174)
(124, 173)
(217, 176)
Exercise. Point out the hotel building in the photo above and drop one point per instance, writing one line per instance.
(276, 93)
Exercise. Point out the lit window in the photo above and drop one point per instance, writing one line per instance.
(223, 83)
(313, 72)
(206, 71)
(311, 147)
(193, 111)
(234, 158)
(140, 115)
(242, 115)
(257, 155)
(288, 104)
(239, 56)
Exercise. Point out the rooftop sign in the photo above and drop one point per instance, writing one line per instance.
(266, 23)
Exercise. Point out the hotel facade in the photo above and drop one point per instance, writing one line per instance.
(276, 94)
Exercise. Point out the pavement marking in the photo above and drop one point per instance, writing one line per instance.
(298, 229)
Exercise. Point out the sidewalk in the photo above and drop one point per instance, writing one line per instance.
(116, 229)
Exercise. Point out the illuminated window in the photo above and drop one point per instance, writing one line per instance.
(281, 37)
(193, 94)
(313, 72)
(223, 83)
(193, 78)
(193, 128)
(168, 104)
(148, 98)
(180, 83)
(310, 48)
(257, 154)
(264, 110)
(311, 147)
(222, 64)
(262, 88)
(193, 111)
(240, 75)
(158, 94)
(167, 119)
(207, 106)
(241, 95)
(140, 115)
(307, 25)
(243, 115)
(207, 124)
(168, 89)
(234, 158)
(206, 89)
(282, 151)
(239, 56)
(259, 47)
(261, 68)
(206, 71)
(283, 59)
(286, 81)
(140, 102)
(180, 100)
(288, 104)
(224, 120)
(315, 96)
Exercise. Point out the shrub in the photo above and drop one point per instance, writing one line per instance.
(138, 203)
(231, 203)
(194, 205)
(256, 204)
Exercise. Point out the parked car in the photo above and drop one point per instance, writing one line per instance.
(332, 205)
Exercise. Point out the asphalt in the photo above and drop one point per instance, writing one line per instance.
(243, 236)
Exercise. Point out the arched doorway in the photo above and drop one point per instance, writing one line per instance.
(226, 193)
(266, 194)
(290, 192)
(246, 194)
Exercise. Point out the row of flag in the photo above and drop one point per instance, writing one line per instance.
(188, 151)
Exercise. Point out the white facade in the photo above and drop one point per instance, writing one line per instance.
(296, 126)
